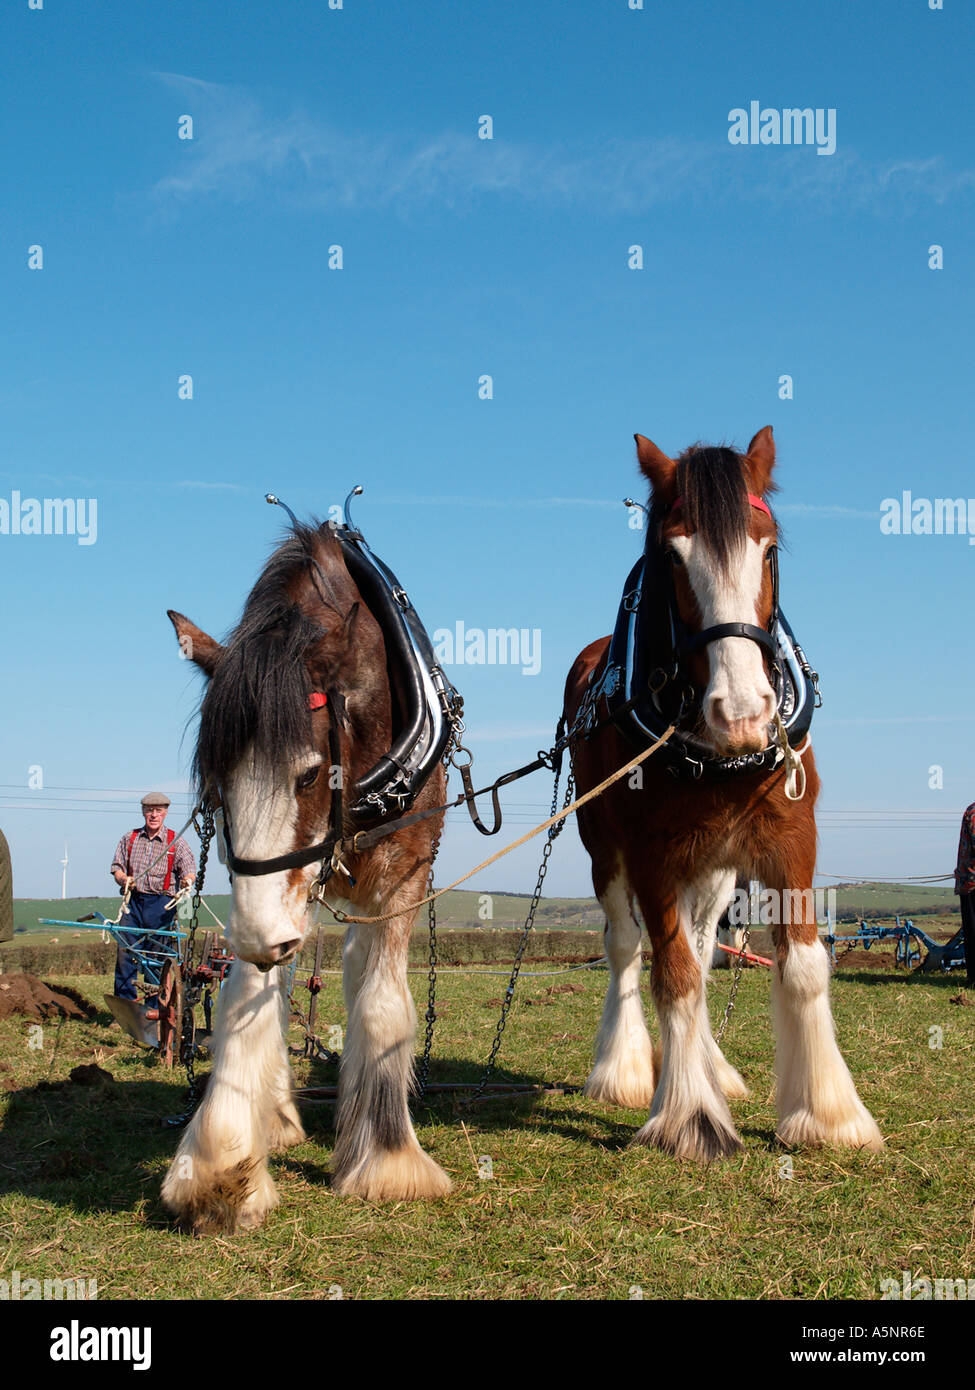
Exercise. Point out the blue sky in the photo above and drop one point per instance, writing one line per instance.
(462, 257)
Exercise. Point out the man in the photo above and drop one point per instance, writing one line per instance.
(965, 888)
(156, 865)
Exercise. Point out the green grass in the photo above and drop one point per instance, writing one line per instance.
(571, 1211)
(460, 908)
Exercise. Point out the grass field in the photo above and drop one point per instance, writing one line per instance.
(570, 1211)
(466, 909)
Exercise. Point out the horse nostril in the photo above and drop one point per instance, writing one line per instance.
(286, 949)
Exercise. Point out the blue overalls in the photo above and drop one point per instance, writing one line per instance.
(146, 911)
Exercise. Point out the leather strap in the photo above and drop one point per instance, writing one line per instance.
(298, 858)
(697, 640)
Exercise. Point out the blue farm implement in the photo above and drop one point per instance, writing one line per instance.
(158, 954)
(944, 956)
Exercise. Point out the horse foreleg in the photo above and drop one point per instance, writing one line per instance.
(623, 1073)
(708, 900)
(689, 1117)
(284, 1127)
(218, 1180)
(355, 954)
(377, 1153)
(817, 1102)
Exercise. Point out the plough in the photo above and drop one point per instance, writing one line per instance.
(162, 978)
(944, 956)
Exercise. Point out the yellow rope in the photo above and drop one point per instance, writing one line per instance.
(560, 815)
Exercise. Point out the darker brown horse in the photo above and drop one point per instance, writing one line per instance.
(673, 845)
(299, 706)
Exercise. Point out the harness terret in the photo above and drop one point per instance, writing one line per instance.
(645, 686)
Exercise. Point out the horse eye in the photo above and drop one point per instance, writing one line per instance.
(307, 779)
(674, 557)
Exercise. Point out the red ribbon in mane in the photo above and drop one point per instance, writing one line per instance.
(755, 501)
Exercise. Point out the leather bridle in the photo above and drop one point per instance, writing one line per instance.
(325, 849)
(685, 643)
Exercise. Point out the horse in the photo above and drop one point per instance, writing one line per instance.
(298, 703)
(673, 845)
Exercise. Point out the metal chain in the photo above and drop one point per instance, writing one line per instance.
(192, 994)
(423, 1069)
(453, 709)
(739, 967)
(454, 745)
(553, 835)
(314, 1047)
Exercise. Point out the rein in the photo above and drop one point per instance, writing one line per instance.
(555, 819)
(331, 850)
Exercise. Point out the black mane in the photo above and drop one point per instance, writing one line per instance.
(258, 694)
(711, 485)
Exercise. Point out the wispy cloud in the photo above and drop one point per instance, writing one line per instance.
(241, 148)
(822, 509)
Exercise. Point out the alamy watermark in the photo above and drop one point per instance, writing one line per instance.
(495, 646)
(793, 125)
(50, 516)
(920, 1289)
(77, 1343)
(20, 1289)
(908, 515)
(767, 907)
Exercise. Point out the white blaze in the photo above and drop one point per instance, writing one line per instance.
(263, 812)
(738, 685)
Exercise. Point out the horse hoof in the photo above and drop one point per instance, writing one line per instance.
(729, 1079)
(211, 1203)
(629, 1085)
(285, 1129)
(402, 1175)
(700, 1136)
(855, 1130)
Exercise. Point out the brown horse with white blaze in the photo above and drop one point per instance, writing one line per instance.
(673, 846)
(298, 703)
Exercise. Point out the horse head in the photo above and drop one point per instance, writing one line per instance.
(708, 521)
(296, 701)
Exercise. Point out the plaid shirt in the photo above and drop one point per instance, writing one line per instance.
(144, 850)
(965, 871)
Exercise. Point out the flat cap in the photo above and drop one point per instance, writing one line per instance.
(155, 799)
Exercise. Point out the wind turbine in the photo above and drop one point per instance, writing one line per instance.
(64, 873)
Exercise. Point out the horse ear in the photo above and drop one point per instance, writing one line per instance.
(196, 645)
(659, 470)
(761, 460)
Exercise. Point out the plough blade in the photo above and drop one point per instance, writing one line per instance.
(131, 1015)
